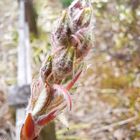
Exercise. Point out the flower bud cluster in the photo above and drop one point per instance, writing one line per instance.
(71, 41)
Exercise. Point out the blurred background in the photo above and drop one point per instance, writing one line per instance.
(106, 101)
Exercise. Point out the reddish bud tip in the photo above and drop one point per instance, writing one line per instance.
(28, 129)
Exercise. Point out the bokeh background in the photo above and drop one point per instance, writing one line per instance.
(106, 99)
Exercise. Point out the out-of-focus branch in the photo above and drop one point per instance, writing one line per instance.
(31, 16)
(116, 124)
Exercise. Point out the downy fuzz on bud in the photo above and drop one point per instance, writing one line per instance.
(63, 62)
(61, 33)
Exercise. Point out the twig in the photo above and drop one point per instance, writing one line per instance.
(116, 124)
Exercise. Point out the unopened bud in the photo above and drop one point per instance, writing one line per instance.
(79, 15)
(63, 62)
(61, 32)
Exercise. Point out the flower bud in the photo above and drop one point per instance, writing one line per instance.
(63, 62)
(81, 40)
(79, 15)
(61, 32)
